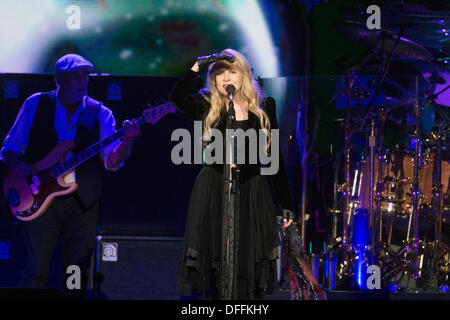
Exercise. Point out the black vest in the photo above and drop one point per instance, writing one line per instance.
(43, 138)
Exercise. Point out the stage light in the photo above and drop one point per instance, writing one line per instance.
(253, 25)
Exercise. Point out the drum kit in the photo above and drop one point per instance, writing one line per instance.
(400, 188)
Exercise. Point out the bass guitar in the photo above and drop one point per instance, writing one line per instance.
(29, 197)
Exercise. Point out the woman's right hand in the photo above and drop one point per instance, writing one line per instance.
(203, 62)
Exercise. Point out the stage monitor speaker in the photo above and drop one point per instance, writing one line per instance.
(136, 268)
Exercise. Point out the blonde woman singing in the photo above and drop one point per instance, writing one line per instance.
(252, 237)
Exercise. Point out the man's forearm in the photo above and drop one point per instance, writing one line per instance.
(119, 155)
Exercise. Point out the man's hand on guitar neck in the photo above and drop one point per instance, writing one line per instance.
(122, 152)
(132, 130)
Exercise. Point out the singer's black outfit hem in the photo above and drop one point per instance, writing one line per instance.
(259, 241)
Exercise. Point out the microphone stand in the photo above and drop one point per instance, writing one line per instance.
(230, 217)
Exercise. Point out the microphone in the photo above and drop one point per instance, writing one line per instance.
(230, 91)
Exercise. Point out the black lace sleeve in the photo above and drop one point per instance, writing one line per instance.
(184, 100)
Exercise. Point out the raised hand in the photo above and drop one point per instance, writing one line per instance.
(204, 61)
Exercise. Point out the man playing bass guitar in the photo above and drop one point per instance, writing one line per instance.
(44, 121)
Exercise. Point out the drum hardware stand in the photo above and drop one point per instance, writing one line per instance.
(376, 132)
(347, 212)
(377, 244)
(410, 248)
(375, 219)
(439, 249)
(351, 77)
(417, 164)
(437, 183)
(414, 250)
(390, 209)
(333, 240)
(344, 267)
(437, 188)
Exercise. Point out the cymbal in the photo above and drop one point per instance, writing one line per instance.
(421, 66)
(382, 40)
(441, 90)
(430, 71)
(405, 78)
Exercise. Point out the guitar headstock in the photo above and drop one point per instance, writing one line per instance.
(154, 114)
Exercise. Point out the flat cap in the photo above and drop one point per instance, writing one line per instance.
(71, 62)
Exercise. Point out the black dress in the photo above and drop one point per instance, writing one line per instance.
(260, 200)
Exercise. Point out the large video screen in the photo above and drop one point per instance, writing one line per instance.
(151, 37)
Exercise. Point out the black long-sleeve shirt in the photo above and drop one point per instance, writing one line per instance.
(196, 106)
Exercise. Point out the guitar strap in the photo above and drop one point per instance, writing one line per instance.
(89, 114)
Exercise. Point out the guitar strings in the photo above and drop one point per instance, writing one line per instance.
(50, 174)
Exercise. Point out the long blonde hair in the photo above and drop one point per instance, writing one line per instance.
(250, 92)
